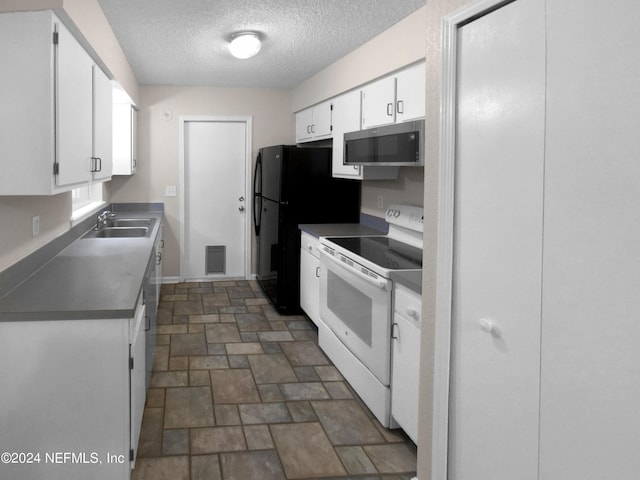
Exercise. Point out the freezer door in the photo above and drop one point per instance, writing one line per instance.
(272, 158)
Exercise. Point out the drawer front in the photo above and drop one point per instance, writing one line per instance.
(310, 243)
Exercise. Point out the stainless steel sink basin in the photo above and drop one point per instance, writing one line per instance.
(109, 232)
(130, 222)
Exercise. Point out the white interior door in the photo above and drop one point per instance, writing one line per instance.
(497, 251)
(590, 387)
(214, 193)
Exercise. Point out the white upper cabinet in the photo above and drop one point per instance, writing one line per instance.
(47, 98)
(314, 123)
(102, 125)
(394, 98)
(125, 139)
(410, 93)
(346, 118)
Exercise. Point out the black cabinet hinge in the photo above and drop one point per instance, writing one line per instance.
(55, 38)
(56, 168)
(131, 363)
(131, 455)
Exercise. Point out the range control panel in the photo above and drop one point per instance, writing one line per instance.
(406, 216)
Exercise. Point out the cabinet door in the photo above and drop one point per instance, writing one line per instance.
(321, 121)
(74, 110)
(405, 375)
(410, 93)
(309, 285)
(303, 125)
(378, 103)
(138, 372)
(102, 125)
(123, 140)
(346, 118)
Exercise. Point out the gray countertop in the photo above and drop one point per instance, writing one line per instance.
(91, 278)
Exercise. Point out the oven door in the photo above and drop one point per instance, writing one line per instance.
(357, 308)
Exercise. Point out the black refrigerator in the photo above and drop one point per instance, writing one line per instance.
(293, 185)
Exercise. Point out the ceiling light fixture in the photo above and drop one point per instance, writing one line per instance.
(245, 44)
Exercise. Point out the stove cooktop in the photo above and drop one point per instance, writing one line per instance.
(383, 251)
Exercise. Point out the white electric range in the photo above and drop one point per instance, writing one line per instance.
(356, 302)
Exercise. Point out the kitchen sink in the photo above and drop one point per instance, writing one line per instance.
(130, 222)
(118, 232)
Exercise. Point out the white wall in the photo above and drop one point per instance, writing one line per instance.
(158, 143)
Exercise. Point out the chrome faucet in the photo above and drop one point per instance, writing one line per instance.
(102, 219)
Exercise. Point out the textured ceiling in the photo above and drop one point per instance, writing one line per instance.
(184, 42)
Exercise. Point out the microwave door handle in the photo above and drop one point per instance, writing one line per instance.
(376, 282)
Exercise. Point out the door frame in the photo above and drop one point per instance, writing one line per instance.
(446, 199)
(247, 120)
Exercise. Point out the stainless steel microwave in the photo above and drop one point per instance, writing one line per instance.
(401, 144)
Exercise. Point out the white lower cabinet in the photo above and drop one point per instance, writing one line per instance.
(73, 409)
(406, 360)
(309, 276)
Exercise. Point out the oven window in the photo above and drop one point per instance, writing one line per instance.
(350, 305)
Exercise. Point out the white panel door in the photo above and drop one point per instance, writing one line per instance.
(214, 196)
(497, 253)
(590, 388)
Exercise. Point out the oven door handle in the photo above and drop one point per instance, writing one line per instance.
(376, 282)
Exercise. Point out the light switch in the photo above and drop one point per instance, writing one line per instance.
(171, 191)
(35, 225)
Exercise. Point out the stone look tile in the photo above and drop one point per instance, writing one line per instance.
(222, 333)
(205, 467)
(169, 379)
(346, 423)
(243, 348)
(155, 397)
(150, 443)
(304, 391)
(306, 451)
(338, 390)
(189, 307)
(302, 412)
(258, 413)
(207, 318)
(234, 386)
(226, 415)
(217, 439)
(275, 336)
(175, 442)
(253, 465)
(304, 353)
(258, 437)
(251, 322)
(355, 460)
(188, 407)
(188, 344)
(163, 468)
(209, 362)
(392, 458)
(272, 368)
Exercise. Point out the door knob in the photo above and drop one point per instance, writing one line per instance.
(490, 327)
(241, 208)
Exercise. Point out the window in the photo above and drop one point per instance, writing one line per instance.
(85, 199)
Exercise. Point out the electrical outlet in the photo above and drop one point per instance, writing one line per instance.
(380, 201)
(35, 225)
(171, 191)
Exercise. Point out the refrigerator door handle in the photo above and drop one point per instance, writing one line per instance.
(257, 195)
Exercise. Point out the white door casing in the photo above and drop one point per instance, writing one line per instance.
(215, 159)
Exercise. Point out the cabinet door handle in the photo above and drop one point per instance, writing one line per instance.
(318, 272)
(147, 323)
(390, 109)
(313, 130)
(393, 331)
(400, 106)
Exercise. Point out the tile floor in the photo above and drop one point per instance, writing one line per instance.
(240, 392)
